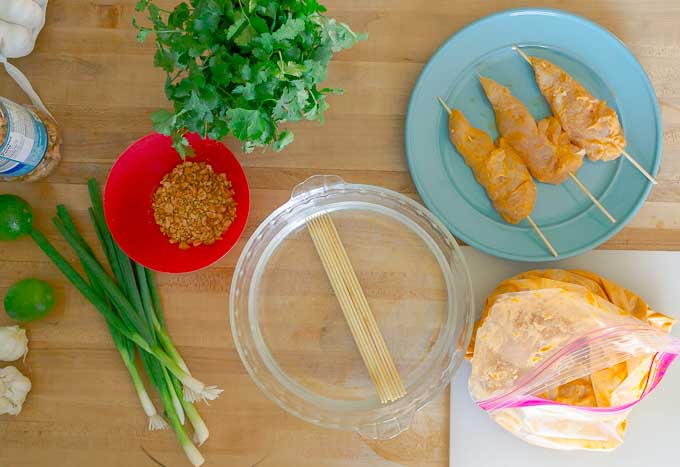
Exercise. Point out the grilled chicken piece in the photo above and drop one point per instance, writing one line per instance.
(588, 121)
(549, 160)
(499, 170)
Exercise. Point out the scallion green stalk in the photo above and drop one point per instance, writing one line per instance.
(176, 402)
(131, 307)
(124, 346)
(79, 283)
(201, 433)
(195, 389)
(154, 316)
(192, 453)
(155, 296)
(156, 422)
(155, 372)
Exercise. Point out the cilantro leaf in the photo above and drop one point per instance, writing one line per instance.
(283, 139)
(246, 124)
(236, 28)
(289, 30)
(207, 14)
(163, 121)
(179, 15)
(142, 34)
(246, 35)
(165, 59)
(247, 90)
(141, 5)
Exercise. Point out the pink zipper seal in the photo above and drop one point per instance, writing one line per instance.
(512, 399)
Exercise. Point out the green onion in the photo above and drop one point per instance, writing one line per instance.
(194, 390)
(201, 432)
(177, 404)
(131, 307)
(155, 372)
(123, 345)
(79, 283)
(155, 297)
(192, 453)
(156, 422)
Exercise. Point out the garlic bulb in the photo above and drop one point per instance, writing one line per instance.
(20, 23)
(13, 390)
(13, 343)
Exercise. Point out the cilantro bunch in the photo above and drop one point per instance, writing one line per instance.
(242, 67)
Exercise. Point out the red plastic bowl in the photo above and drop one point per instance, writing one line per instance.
(128, 196)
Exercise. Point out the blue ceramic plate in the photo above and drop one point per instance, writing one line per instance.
(594, 57)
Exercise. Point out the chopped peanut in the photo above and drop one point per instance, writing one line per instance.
(193, 205)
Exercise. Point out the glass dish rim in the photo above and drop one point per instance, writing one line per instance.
(377, 422)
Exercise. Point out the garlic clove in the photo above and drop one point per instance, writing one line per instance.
(15, 389)
(13, 343)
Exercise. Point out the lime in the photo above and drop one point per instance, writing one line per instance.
(29, 299)
(16, 218)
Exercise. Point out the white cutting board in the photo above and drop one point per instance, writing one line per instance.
(653, 435)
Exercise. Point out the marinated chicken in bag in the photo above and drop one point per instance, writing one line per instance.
(559, 358)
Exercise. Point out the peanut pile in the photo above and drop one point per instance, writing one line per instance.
(193, 205)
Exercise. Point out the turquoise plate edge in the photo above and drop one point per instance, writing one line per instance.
(547, 257)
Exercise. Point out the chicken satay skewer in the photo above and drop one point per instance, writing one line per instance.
(621, 149)
(528, 217)
(550, 160)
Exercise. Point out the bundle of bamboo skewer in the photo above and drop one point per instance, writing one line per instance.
(355, 308)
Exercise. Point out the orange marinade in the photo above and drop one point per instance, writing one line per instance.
(498, 169)
(588, 121)
(550, 157)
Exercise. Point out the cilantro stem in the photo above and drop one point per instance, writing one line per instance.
(281, 61)
(244, 12)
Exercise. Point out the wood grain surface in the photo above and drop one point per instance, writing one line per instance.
(101, 86)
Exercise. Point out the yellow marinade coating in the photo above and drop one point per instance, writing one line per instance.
(588, 121)
(498, 169)
(550, 157)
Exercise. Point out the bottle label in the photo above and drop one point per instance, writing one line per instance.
(25, 141)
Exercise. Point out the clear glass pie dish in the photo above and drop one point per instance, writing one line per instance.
(289, 329)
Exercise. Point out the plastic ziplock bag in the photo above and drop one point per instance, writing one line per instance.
(536, 349)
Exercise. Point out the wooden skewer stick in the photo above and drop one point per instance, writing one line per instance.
(448, 109)
(595, 201)
(635, 163)
(630, 158)
(521, 52)
(531, 221)
(543, 237)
